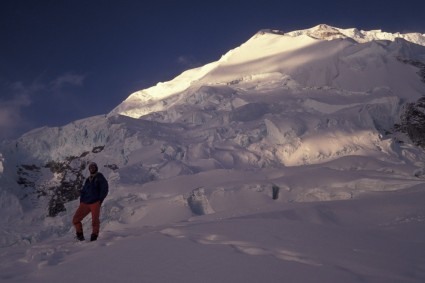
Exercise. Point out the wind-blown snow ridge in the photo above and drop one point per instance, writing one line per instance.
(150, 98)
(327, 32)
(271, 51)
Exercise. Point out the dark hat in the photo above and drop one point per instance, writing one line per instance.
(93, 164)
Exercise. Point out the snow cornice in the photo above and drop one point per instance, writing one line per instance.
(327, 32)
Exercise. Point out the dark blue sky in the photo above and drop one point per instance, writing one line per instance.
(65, 60)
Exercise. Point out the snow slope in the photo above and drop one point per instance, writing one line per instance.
(321, 56)
(378, 238)
(194, 165)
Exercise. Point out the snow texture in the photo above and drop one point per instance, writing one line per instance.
(280, 162)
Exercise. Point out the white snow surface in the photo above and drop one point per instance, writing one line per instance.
(316, 57)
(193, 163)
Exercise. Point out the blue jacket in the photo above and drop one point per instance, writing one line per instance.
(95, 189)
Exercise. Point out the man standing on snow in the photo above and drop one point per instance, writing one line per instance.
(93, 193)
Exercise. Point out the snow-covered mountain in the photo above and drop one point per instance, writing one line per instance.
(317, 114)
(349, 60)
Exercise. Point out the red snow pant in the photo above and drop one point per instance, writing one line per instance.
(83, 210)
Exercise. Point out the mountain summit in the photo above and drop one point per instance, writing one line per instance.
(322, 56)
(326, 32)
(322, 114)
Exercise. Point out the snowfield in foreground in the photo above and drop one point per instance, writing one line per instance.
(234, 231)
(378, 237)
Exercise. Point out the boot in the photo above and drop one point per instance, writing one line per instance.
(93, 237)
(80, 236)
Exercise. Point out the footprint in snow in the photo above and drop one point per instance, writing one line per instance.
(248, 248)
